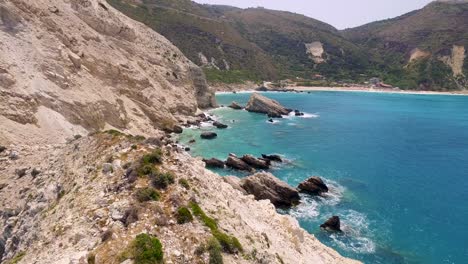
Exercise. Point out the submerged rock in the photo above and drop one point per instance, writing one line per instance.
(264, 185)
(235, 105)
(219, 125)
(261, 104)
(208, 135)
(238, 164)
(213, 163)
(332, 224)
(273, 157)
(255, 162)
(313, 185)
(298, 113)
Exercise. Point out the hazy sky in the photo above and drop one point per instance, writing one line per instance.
(339, 13)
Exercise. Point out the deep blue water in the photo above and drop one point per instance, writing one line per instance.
(397, 165)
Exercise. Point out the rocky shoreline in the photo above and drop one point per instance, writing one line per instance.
(82, 221)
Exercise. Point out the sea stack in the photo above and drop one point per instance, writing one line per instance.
(332, 224)
(313, 185)
(261, 104)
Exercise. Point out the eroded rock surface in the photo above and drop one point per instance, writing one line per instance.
(261, 104)
(265, 186)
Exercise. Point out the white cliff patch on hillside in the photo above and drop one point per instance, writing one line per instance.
(207, 63)
(316, 51)
(417, 54)
(455, 60)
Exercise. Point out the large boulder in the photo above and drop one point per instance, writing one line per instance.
(238, 164)
(213, 163)
(313, 185)
(332, 224)
(264, 185)
(256, 163)
(261, 104)
(208, 135)
(235, 105)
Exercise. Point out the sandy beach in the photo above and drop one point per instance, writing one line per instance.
(372, 90)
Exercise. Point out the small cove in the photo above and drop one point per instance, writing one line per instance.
(397, 165)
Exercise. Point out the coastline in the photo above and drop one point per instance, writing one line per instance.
(347, 89)
(372, 90)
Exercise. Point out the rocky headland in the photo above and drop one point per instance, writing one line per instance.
(88, 172)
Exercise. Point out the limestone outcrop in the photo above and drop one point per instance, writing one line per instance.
(73, 67)
(265, 186)
(261, 104)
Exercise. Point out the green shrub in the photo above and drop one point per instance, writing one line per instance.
(114, 132)
(214, 249)
(17, 258)
(207, 221)
(183, 215)
(162, 180)
(146, 249)
(154, 157)
(146, 169)
(91, 259)
(139, 138)
(147, 194)
(184, 183)
(230, 244)
(134, 147)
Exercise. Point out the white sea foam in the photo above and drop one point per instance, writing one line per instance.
(309, 208)
(307, 115)
(274, 122)
(292, 115)
(355, 236)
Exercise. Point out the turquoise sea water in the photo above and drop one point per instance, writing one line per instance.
(397, 166)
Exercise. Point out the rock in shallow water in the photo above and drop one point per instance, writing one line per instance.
(266, 186)
(261, 104)
(313, 185)
(255, 162)
(208, 135)
(273, 157)
(219, 125)
(238, 164)
(332, 224)
(213, 163)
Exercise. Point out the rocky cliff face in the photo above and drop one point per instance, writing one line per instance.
(68, 67)
(81, 207)
(72, 67)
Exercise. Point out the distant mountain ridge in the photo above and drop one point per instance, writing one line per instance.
(423, 49)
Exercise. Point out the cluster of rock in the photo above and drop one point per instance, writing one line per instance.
(265, 186)
(244, 163)
(204, 118)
